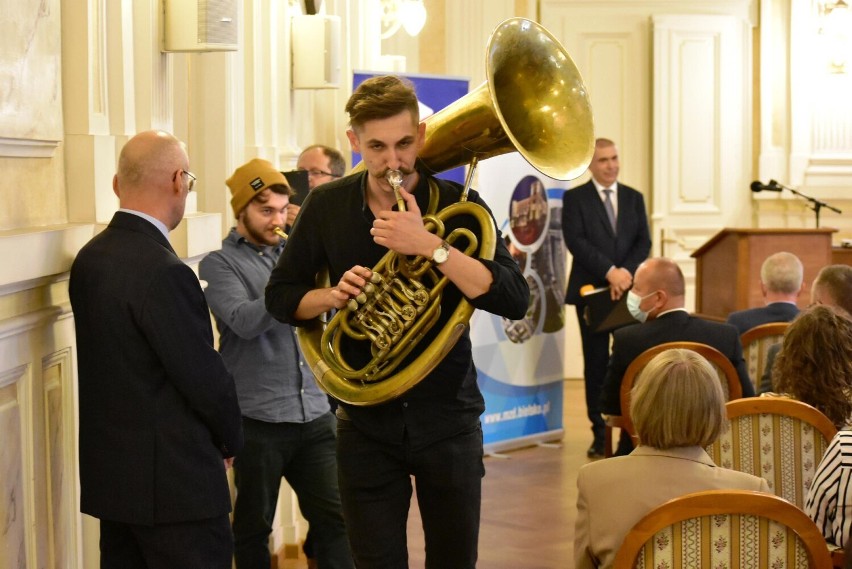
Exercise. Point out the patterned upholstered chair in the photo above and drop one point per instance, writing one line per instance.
(723, 366)
(724, 529)
(756, 343)
(779, 439)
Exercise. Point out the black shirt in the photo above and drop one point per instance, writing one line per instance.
(333, 232)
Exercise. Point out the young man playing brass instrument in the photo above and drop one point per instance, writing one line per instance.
(430, 432)
(288, 427)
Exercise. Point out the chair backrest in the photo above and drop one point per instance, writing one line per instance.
(724, 368)
(776, 438)
(756, 343)
(724, 528)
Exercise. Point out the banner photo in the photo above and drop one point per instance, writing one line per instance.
(434, 92)
(520, 363)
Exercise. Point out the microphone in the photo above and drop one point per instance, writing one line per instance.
(773, 186)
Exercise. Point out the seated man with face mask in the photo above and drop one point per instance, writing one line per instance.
(657, 301)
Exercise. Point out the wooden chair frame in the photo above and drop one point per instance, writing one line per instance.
(758, 332)
(714, 356)
(777, 405)
(755, 335)
(715, 502)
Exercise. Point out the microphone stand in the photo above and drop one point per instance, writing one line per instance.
(816, 204)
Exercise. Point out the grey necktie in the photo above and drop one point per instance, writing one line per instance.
(610, 211)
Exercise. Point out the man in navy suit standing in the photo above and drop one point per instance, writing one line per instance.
(159, 418)
(605, 227)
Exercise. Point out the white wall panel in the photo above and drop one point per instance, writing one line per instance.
(60, 457)
(469, 25)
(13, 541)
(610, 44)
(700, 146)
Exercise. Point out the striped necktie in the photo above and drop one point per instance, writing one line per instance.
(610, 210)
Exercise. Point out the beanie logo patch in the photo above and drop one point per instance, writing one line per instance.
(256, 184)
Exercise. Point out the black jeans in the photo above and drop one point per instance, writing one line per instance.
(375, 485)
(302, 453)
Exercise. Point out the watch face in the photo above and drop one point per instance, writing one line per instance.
(441, 254)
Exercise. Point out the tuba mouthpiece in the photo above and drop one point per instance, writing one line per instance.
(394, 178)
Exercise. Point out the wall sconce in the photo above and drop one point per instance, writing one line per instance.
(408, 14)
(835, 19)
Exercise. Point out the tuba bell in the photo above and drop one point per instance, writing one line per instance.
(534, 102)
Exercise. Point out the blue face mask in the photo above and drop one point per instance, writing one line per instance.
(633, 302)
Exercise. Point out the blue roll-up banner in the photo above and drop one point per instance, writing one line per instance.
(520, 363)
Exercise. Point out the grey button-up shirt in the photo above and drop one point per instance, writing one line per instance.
(274, 384)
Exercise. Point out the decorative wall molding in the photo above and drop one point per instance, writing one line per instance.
(197, 234)
(42, 251)
(60, 468)
(11, 377)
(612, 51)
(701, 100)
(34, 320)
(16, 492)
(25, 148)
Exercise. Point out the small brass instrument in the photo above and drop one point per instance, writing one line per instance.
(280, 232)
(533, 101)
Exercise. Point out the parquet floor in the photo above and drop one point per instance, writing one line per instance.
(529, 501)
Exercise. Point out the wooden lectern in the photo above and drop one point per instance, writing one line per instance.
(727, 272)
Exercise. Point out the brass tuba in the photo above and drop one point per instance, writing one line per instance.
(534, 102)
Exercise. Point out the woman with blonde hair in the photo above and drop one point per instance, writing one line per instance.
(678, 408)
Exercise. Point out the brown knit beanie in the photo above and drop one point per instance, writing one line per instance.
(250, 179)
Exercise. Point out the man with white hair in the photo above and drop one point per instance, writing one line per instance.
(781, 278)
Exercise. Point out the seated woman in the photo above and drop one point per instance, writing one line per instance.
(815, 366)
(677, 408)
(815, 362)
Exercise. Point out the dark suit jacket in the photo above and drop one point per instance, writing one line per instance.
(158, 409)
(678, 326)
(589, 237)
(745, 320)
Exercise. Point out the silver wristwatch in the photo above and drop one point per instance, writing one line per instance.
(441, 254)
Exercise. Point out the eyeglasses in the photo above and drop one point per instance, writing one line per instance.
(314, 173)
(191, 177)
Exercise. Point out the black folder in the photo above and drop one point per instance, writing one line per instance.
(602, 314)
(298, 181)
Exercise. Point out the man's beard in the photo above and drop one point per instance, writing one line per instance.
(259, 235)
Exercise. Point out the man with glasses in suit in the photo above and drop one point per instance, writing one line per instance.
(323, 164)
(159, 418)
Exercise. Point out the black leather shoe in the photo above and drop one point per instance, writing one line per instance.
(596, 450)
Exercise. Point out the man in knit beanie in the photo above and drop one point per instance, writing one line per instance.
(289, 429)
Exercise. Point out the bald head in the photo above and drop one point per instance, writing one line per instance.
(149, 158)
(151, 176)
(665, 275)
(663, 280)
